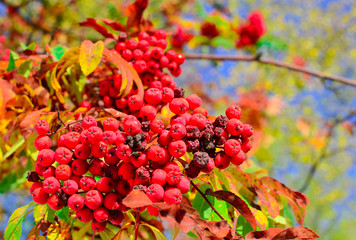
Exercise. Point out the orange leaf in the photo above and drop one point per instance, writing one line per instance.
(6, 95)
(282, 234)
(136, 199)
(134, 12)
(91, 22)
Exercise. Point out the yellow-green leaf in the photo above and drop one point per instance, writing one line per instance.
(14, 226)
(90, 56)
(158, 234)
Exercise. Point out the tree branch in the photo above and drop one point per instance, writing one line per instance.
(273, 62)
(206, 199)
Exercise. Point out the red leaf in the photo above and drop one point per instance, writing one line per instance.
(91, 22)
(134, 12)
(281, 234)
(267, 199)
(115, 113)
(238, 203)
(114, 24)
(136, 199)
(297, 200)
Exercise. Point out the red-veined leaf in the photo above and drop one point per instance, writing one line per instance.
(91, 22)
(114, 24)
(238, 203)
(134, 12)
(136, 199)
(282, 234)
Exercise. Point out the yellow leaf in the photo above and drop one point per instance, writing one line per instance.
(90, 56)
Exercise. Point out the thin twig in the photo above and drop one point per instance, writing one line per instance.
(206, 199)
(137, 224)
(273, 62)
(93, 236)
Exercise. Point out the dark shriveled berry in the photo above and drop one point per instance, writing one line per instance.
(200, 159)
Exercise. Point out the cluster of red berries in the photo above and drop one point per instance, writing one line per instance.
(251, 30)
(149, 57)
(94, 165)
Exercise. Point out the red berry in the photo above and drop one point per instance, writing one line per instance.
(39, 169)
(153, 211)
(131, 44)
(167, 95)
(179, 106)
(34, 186)
(79, 167)
(159, 177)
(101, 214)
(177, 148)
(126, 171)
(111, 124)
(143, 45)
(246, 145)
(123, 187)
(164, 138)
(234, 127)
(55, 202)
(233, 112)
(105, 185)
(85, 215)
(70, 187)
(184, 185)
(171, 166)
(120, 46)
(45, 157)
(123, 152)
(120, 138)
(148, 113)
(201, 110)
(93, 199)
(232, 147)
(173, 177)
(209, 166)
(63, 155)
(247, 131)
(180, 58)
(116, 217)
(178, 131)
(155, 192)
(42, 142)
(127, 54)
(153, 96)
(99, 149)
(42, 127)
(137, 54)
(222, 160)
(238, 159)
(72, 140)
(85, 104)
(111, 158)
(40, 196)
(63, 172)
(172, 196)
(98, 226)
(112, 201)
(192, 171)
(140, 66)
(157, 153)
(95, 134)
(157, 125)
(82, 151)
(76, 203)
(89, 121)
(87, 183)
(49, 172)
(139, 161)
(143, 36)
(97, 167)
(171, 55)
(198, 120)
(51, 185)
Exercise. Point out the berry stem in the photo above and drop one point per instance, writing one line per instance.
(137, 224)
(93, 236)
(206, 199)
(293, 67)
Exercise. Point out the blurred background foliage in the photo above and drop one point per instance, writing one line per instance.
(304, 125)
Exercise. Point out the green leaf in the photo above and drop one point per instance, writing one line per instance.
(25, 68)
(205, 211)
(64, 214)
(14, 226)
(58, 52)
(31, 47)
(13, 57)
(199, 9)
(7, 182)
(243, 227)
(107, 234)
(158, 234)
(13, 149)
(40, 211)
(90, 56)
(272, 42)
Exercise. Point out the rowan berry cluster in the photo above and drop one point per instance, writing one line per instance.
(94, 165)
(149, 57)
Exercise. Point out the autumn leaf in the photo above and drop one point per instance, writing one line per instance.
(134, 12)
(91, 22)
(282, 234)
(136, 199)
(90, 56)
